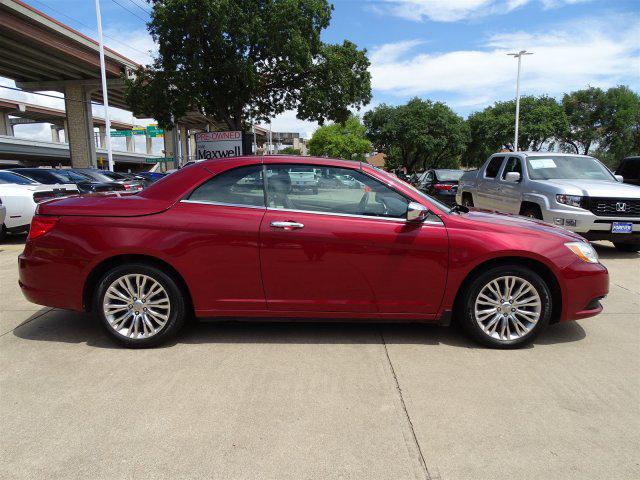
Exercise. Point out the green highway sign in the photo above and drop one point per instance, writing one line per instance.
(121, 133)
(139, 131)
(158, 160)
(154, 131)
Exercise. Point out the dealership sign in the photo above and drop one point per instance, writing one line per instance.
(218, 144)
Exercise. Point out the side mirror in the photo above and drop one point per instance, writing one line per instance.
(513, 177)
(416, 212)
(619, 178)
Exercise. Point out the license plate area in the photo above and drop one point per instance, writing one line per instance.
(621, 227)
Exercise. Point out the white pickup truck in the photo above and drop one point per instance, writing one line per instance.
(573, 191)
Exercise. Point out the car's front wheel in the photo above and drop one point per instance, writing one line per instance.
(506, 307)
(140, 305)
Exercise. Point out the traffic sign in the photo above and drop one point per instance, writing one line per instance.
(121, 133)
(158, 160)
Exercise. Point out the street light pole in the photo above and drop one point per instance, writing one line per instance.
(105, 97)
(519, 57)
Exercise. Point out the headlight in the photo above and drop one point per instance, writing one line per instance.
(584, 251)
(572, 200)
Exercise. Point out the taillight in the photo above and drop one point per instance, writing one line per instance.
(442, 186)
(41, 225)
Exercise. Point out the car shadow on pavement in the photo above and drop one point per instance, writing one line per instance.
(607, 251)
(62, 326)
(17, 239)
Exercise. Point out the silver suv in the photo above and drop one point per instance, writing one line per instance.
(573, 191)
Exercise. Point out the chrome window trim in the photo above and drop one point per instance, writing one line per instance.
(222, 204)
(352, 215)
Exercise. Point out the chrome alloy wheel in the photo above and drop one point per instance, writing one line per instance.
(136, 306)
(507, 308)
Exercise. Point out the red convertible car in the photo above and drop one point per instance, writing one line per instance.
(236, 238)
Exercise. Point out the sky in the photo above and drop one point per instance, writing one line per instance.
(453, 51)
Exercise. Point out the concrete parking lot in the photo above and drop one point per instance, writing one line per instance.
(315, 401)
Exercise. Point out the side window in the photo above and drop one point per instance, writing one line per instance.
(331, 190)
(429, 177)
(493, 167)
(514, 164)
(239, 186)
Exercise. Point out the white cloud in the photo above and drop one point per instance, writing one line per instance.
(137, 45)
(456, 10)
(566, 57)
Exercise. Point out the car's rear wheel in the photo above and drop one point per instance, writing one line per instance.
(3, 232)
(506, 307)
(627, 247)
(140, 305)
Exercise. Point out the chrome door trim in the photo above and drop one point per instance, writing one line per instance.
(222, 204)
(367, 217)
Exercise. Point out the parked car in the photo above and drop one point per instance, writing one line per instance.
(201, 242)
(629, 170)
(441, 184)
(3, 214)
(20, 196)
(573, 191)
(151, 176)
(107, 176)
(304, 178)
(66, 176)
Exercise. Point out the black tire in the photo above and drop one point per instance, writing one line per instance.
(177, 312)
(627, 247)
(3, 232)
(466, 311)
(531, 211)
(467, 200)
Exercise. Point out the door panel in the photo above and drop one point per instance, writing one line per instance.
(511, 193)
(217, 246)
(351, 264)
(488, 191)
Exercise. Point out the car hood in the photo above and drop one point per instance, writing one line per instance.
(594, 188)
(105, 205)
(508, 222)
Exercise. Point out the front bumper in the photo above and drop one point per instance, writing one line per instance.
(585, 284)
(591, 226)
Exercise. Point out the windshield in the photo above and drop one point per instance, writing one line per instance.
(94, 175)
(567, 167)
(430, 199)
(70, 176)
(449, 175)
(15, 179)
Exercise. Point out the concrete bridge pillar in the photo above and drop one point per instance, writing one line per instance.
(6, 128)
(149, 145)
(82, 148)
(130, 144)
(55, 133)
(184, 144)
(102, 134)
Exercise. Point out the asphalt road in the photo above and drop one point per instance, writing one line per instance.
(316, 401)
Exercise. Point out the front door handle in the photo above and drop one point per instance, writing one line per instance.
(287, 225)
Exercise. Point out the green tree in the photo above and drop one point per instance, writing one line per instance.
(542, 123)
(585, 113)
(421, 134)
(340, 140)
(290, 151)
(248, 60)
(621, 124)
